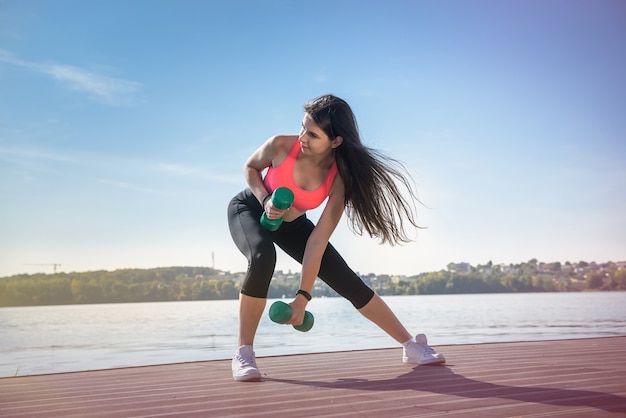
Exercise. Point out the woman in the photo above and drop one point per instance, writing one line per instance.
(326, 160)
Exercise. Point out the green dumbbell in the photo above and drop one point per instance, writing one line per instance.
(282, 198)
(280, 312)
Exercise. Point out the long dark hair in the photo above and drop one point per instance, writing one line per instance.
(374, 203)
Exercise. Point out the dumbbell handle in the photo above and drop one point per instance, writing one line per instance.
(280, 312)
(282, 198)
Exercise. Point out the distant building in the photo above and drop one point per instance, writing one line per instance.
(460, 267)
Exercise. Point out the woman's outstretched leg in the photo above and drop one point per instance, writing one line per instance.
(341, 278)
(416, 350)
(379, 313)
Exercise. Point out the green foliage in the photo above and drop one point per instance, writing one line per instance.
(131, 285)
(202, 283)
(525, 277)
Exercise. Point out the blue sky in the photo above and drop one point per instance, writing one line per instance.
(124, 125)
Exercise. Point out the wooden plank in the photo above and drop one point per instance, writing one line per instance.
(585, 377)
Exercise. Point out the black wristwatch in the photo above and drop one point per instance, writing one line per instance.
(304, 293)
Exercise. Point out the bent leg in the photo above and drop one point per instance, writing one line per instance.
(250, 312)
(256, 244)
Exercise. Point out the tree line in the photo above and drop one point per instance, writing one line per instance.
(203, 283)
(531, 276)
(119, 286)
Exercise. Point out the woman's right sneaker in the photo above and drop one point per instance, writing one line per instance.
(419, 352)
(244, 365)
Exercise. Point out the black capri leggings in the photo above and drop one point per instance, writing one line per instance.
(257, 244)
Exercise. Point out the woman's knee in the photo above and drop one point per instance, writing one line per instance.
(343, 280)
(263, 258)
(261, 266)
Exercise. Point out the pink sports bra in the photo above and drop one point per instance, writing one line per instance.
(282, 175)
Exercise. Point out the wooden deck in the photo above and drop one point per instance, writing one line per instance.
(573, 378)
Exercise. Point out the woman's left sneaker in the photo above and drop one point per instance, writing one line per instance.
(419, 352)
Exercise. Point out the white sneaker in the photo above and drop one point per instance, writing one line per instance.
(244, 365)
(419, 352)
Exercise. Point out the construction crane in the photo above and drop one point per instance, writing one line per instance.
(54, 265)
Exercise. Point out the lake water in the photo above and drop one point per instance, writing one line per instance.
(52, 339)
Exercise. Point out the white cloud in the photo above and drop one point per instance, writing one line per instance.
(25, 156)
(101, 88)
(107, 90)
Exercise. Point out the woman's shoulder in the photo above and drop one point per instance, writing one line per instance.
(283, 142)
(279, 147)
